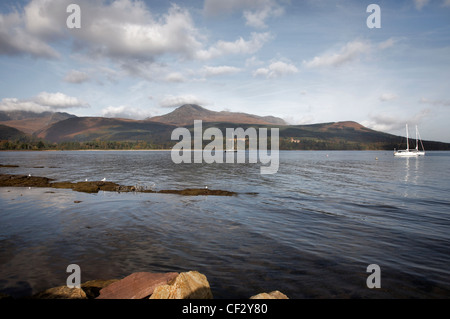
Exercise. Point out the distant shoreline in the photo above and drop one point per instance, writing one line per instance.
(169, 150)
(97, 150)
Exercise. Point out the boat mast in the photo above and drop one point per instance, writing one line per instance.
(407, 138)
(417, 139)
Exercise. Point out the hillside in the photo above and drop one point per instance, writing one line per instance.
(30, 122)
(83, 129)
(10, 133)
(186, 114)
(115, 133)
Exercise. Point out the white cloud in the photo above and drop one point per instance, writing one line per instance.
(440, 102)
(388, 97)
(255, 12)
(420, 3)
(387, 44)
(257, 18)
(137, 34)
(43, 102)
(46, 18)
(175, 77)
(253, 61)
(124, 111)
(58, 100)
(77, 77)
(122, 29)
(276, 69)
(132, 38)
(213, 8)
(175, 101)
(13, 104)
(385, 123)
(219, 70)
(240, 46)
(446, 3)
(15, 39)
(350, 52)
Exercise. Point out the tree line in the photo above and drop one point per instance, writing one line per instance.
(31, 144)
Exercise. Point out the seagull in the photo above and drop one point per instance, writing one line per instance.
(85, 180)
(104, 179)
(29, 175)
(206, 187)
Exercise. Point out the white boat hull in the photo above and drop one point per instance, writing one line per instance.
(409, 153)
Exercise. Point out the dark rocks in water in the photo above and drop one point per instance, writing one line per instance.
(8, 165)
(197, 192)
(7, 180)
(88, 187)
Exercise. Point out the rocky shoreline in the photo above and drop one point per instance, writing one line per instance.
(142, 285)
(10, 180)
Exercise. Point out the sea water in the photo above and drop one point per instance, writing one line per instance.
(309, 231)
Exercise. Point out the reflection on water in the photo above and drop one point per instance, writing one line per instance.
(412, 169)
(310, 231)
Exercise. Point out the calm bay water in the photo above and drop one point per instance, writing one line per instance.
(309, 231)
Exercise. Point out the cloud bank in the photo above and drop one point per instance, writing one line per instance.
(43, 102)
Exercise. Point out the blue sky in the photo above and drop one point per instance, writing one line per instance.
(304, 61)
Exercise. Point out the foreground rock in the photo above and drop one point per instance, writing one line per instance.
(143, 285)
(92, 288)
(138, 285)
(271, 295)
(187, 285)
(62, 292)
(88, 290)
(8, 180)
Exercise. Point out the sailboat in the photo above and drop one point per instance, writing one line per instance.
(411, 152)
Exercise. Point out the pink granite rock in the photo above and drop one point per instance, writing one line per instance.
(138, 285)
(187, 285)
(271, 295)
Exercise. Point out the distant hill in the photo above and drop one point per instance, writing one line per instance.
(156, 132)
(30, 122)
(186, 114)
(82, 129)
(10, 133)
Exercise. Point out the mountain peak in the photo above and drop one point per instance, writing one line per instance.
(187, 113)
(191, 106)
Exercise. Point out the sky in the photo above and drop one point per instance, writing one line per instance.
(306, 62)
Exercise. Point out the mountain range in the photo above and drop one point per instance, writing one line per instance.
(156, 131)
(186, 114)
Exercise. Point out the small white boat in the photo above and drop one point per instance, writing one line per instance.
(411, 152)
